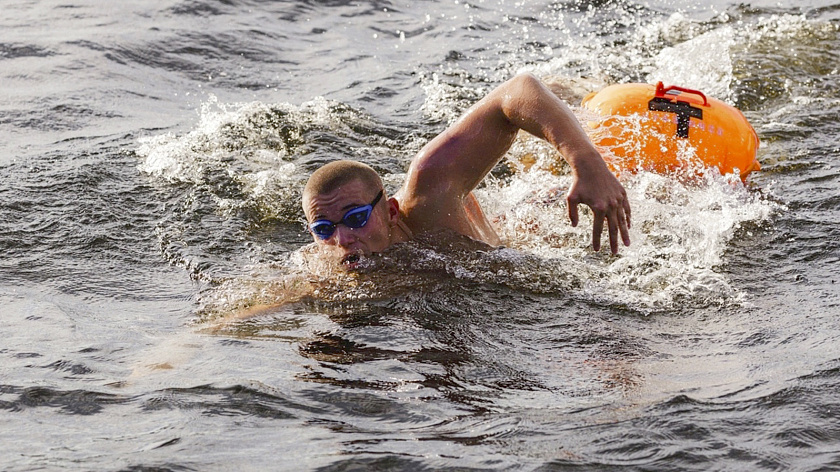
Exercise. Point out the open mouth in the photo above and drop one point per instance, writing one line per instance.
(351, 259)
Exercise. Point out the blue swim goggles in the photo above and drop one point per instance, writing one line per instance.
(355, 218)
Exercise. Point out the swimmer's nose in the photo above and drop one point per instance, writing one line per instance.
(344, 236)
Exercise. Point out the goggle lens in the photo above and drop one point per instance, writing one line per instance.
(355, 218)
(322, 229)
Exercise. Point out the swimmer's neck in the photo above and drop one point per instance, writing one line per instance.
(401, 233)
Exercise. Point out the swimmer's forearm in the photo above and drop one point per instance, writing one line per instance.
(288, 289)
(532, 107)
(252, 311)
(459, 158)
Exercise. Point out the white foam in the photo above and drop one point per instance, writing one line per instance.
(183, 158)
(680, 235)
(702, 63)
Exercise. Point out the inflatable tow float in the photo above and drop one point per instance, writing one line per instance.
(666, 129)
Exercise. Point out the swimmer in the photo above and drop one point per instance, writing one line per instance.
(350, 216)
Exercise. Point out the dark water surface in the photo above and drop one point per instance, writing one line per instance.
(152, 157)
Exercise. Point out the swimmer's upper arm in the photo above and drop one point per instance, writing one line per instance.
(456, 161)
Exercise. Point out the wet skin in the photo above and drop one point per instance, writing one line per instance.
(348, 244)
(437, 192)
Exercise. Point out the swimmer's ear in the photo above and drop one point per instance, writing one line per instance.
(393, 209)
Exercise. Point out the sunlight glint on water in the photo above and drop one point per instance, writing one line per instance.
(709, 344)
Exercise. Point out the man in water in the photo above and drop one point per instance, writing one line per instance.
(350, 216)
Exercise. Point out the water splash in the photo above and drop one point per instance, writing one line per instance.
(224, 129)
(682, 227)
(710, 67)
(681, 232)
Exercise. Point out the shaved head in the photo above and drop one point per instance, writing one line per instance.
(334, 175)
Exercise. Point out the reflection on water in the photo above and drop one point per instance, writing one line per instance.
(151, 190)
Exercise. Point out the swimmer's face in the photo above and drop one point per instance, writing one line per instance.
(347, 243)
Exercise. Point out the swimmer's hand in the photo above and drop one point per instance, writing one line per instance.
(597, 187)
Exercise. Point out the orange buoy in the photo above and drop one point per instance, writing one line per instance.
(665, 129)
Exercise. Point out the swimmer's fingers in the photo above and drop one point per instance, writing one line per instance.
(624, 222)
(618, 222)
(608, 201)
(599, 215)
(572, 204)
(598, 229)
(613, 227)
(627, 213)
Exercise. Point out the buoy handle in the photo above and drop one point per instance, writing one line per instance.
(661, 90)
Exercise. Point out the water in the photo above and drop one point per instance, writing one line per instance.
(153, 155)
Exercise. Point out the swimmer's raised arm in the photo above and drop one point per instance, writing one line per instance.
(443, 175)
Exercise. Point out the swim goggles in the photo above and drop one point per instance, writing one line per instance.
(355, 218)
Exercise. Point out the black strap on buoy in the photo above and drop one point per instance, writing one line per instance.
(684, 110)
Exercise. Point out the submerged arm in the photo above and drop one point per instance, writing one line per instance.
(455, 162)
